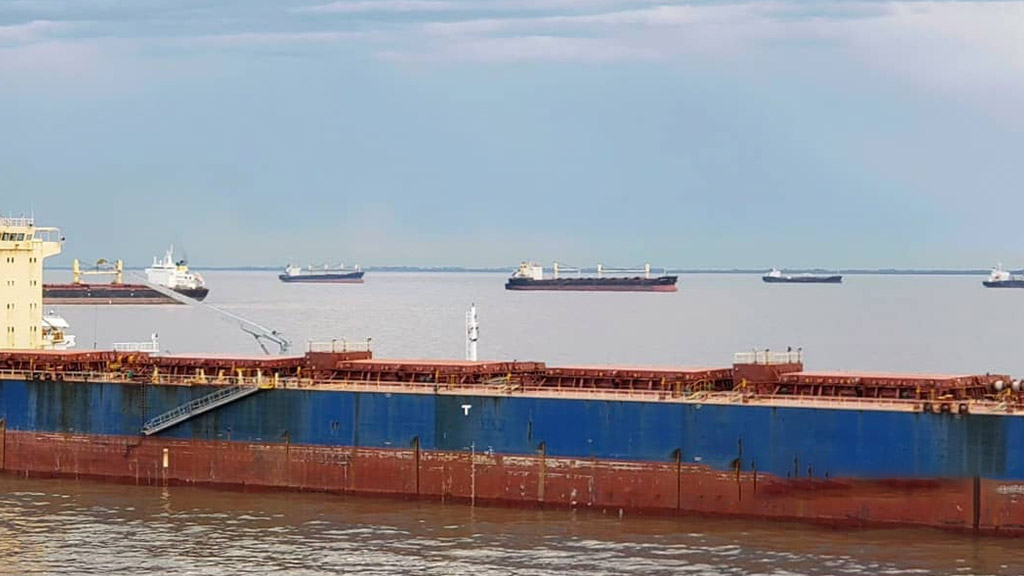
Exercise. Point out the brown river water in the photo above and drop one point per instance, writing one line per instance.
(84, 527)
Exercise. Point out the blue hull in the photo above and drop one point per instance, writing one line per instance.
(780, 441)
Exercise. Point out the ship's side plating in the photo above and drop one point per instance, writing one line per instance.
(816, 463)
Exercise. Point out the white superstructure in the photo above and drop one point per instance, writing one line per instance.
(23, 246)
(530, 270)
(999, 274)
(174, 275)
(55, 335)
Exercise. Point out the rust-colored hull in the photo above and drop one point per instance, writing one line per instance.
(535, 480)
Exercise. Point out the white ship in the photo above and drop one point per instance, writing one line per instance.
(176, 276)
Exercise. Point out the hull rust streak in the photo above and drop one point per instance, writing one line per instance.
(818, 464)
(659, 488)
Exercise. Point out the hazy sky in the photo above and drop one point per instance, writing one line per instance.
(479, 133)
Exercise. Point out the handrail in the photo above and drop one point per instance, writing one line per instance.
(335, 346)
(21, 222)
(504, 388)
(151, 347)
(768, 357)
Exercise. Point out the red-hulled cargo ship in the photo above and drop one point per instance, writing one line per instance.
(530, 276)
(760, 437)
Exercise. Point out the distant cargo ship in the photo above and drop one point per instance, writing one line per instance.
(530, 276)
(324, 275)
(175, 275)
(777, 277)
(116, 292)
(111, 294)
(1000, 278)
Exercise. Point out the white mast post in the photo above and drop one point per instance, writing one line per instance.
(472, 333)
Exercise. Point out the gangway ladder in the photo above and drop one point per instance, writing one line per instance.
(197, 407)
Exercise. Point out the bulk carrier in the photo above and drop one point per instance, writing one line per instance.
(530, 276)
(322, 275)
(760, 437)
(115, 292)
(775, 276)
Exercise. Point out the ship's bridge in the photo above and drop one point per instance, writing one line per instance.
(23, 246)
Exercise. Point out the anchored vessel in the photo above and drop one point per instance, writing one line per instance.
(530, 276)
(322, 275)
(175, 275)
(1000, 278)
(775, 276)
(116, 291)
(759, 437)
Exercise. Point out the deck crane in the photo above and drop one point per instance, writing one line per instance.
(259, 332)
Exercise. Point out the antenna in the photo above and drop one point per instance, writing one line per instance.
(472, 333)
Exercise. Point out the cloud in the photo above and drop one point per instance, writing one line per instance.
(34, 31)
(360, 6)
(526, 48)
(49, 60)
(272, 38)
(412, 6)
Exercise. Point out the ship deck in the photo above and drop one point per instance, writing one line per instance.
(777, 385)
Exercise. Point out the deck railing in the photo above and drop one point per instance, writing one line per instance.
(505, 387)
(20, 222)
(150, 347)
(335, 346)
(768, 357)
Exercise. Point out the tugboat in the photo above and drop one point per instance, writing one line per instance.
(176, 276)
(323, 275)
(1000, 278)
(777, 277)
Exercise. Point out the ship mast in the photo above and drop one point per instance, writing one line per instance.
(472, 333)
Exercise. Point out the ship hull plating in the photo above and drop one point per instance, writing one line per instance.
(659, 284)
(818, 464)
(345, 278)
(535, 480)
(803, 279)
(93, 294)
(195, 293)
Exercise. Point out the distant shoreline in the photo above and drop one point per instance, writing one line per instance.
(510, 269)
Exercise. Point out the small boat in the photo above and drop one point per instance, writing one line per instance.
(175, 275)
(322, 275)
(777, 277)
(1000, 278)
